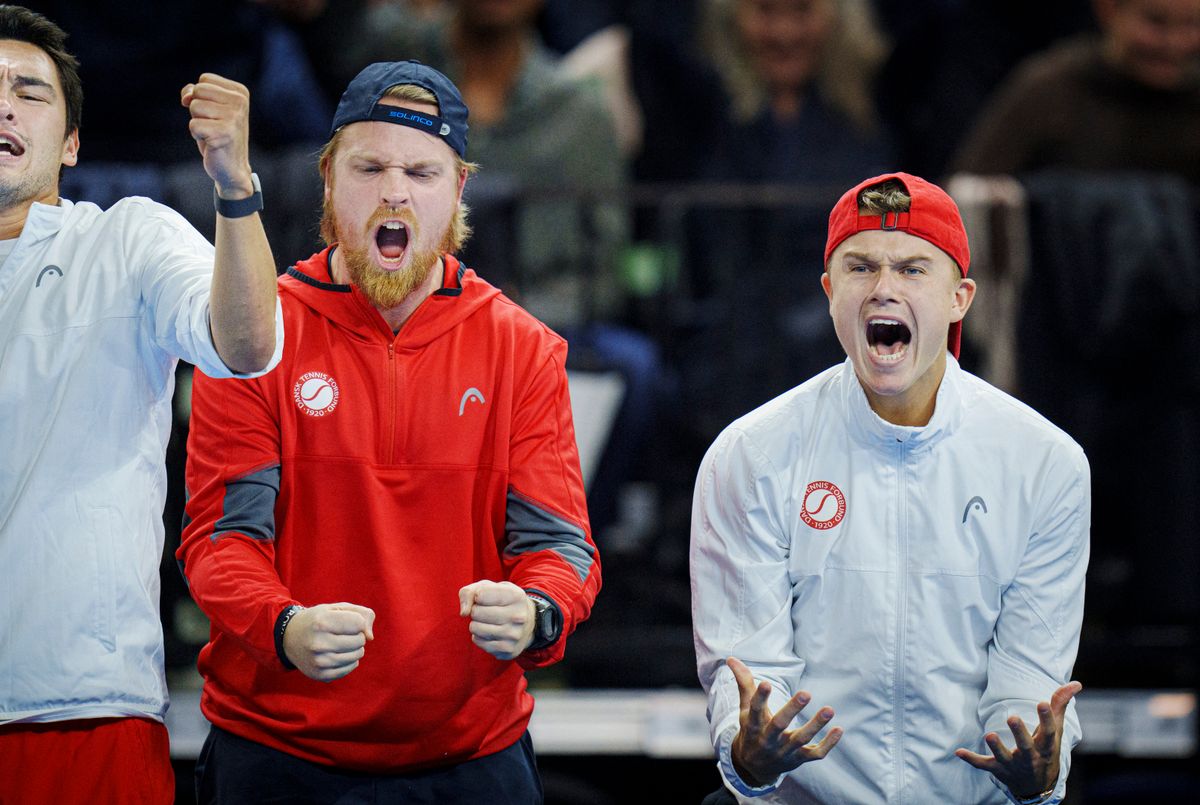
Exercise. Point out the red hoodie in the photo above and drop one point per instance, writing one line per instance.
(388, 471)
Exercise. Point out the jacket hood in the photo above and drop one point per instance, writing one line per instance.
(462, 293)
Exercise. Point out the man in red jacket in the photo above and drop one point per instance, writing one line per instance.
(397, 509)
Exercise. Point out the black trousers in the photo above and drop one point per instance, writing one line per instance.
(234, 771)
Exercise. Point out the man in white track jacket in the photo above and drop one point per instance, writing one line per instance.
(96, 308)
(888, 561)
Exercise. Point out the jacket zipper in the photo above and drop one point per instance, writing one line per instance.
(391, 428)
(901, 622)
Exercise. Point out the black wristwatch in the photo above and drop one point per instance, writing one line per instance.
(240, 208)
(547, 620)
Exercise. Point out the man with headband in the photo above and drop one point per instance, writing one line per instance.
(888, 560)
(390, 528)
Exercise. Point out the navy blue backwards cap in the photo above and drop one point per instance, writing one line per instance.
(360, 102)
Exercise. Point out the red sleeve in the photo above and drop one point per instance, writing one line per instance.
(549, 543)
(227, 551)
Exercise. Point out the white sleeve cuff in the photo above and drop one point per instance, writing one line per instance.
(729, 774)
(1053, 798)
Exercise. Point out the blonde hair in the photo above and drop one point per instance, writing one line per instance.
(887, 196)
(460, 227)
(849, 62)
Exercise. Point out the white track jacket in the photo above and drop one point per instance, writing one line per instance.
(925, 582)
(96, 306)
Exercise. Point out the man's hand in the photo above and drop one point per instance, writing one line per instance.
(502, 617)
(764, 747)
(1032, 766)
(327, 641)
(220, 125)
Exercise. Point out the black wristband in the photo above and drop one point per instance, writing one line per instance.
(240, 208)
(281, 625)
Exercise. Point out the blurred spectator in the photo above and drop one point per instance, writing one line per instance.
(680, 107)
(1116, 257)
(563, 24)
(135, 55)
(1105, 131)
(656, 82)
(799, 74)
(947, 58)
(801, 124)
(533, 130)
(1126, 99)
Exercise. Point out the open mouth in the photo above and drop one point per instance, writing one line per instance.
(392, 240)
(887, 338)
(10, 146)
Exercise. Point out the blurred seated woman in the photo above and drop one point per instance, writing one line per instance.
(799, 75)
(800, 115)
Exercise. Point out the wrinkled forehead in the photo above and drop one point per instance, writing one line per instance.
(889, 247)
(24, 60)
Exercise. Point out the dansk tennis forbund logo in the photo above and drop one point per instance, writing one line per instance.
(316, 393)
(824, 505)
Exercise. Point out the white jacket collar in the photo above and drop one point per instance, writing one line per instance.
(872, 430)
(44, 220)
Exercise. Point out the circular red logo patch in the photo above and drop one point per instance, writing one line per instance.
(824, 505)
(316, 393)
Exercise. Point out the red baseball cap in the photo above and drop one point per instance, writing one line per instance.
(933, 216)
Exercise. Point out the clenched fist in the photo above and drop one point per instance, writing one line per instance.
(502, 617)
(327, 641)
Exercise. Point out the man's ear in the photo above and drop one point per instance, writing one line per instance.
(964, 294)
(826, 284)
(70, 152)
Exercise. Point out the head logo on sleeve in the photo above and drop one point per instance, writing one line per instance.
(316, 393)
(824, 505)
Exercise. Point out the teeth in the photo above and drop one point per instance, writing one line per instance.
(883, 321)
(895, 356)
(391, 225)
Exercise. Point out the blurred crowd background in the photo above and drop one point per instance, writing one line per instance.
(655, 182)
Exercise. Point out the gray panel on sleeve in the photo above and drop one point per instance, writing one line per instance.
(249, 506)
(531, 528)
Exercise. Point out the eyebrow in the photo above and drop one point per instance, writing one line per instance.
(32, 81)
(378, 158)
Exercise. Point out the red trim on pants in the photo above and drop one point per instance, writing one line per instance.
(99, 761)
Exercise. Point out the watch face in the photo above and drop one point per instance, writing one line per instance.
(547, 623)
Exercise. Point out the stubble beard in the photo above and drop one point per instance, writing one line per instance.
(386, 289)
(24, 188)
